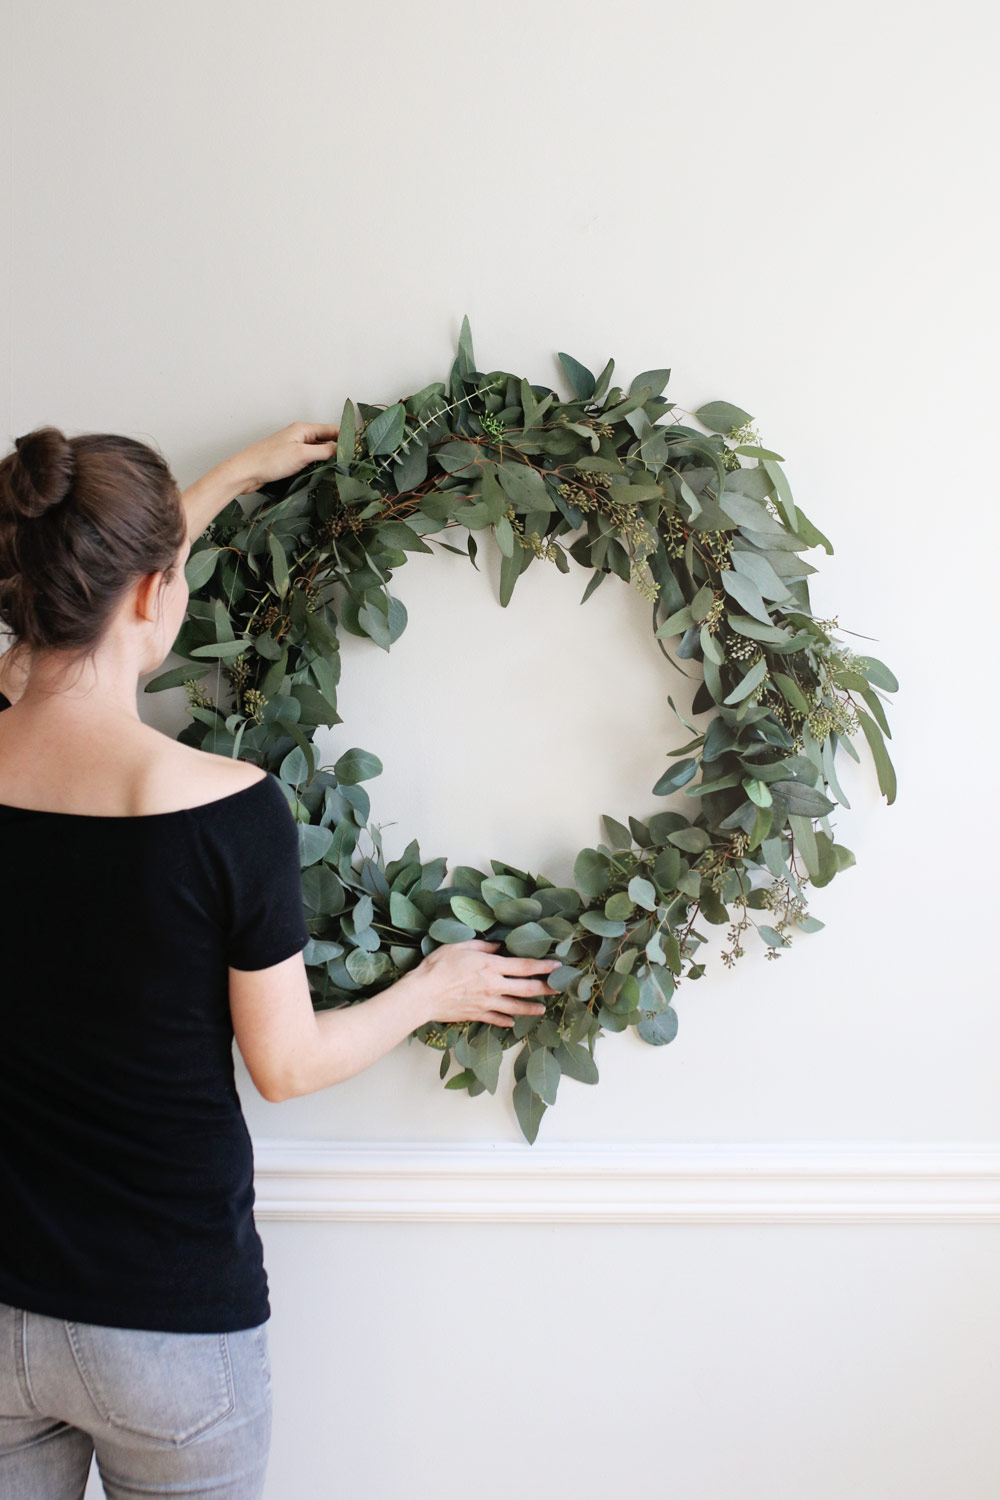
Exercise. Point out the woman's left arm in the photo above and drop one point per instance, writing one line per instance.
(275, 457)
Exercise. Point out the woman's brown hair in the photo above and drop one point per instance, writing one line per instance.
(81, 520)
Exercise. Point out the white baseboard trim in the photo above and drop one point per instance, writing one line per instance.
(629, 1182)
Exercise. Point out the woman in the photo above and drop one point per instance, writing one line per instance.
(151, 912)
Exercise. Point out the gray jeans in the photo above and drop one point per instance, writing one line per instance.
(165, 1412)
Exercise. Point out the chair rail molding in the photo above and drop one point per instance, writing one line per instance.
(628, 1182)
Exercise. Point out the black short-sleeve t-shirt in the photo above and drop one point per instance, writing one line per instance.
(126, 1166)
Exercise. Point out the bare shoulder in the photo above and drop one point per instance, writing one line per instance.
(182, 776)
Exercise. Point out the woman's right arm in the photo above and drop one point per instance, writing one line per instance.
(290, 1049)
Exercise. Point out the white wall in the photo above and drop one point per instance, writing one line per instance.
(227, 216)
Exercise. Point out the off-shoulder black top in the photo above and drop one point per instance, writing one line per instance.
(126, 1166)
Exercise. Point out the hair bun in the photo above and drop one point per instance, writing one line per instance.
(43, 472)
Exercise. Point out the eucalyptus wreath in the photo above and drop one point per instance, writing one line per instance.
(701, 521)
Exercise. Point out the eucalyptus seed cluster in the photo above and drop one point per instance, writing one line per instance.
(434, 1038)
(745, 434)
(714, 864)
(718, 545)
(492, 425)
(674, 536)
(543, 547)
(584, 497)
(843, 659)
(238, 673)
(640, 577)
(196, 697)
(739, 435)
(260, 623)
(253, 705)
(645, 585)
(713, 619)
(342, 520)
(603, 429)
(778, 896)
(740, 647)
(838, 717)
(736, 949)
(626, 519)
(787, 715)
(764, 687)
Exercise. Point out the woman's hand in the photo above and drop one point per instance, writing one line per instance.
(285, 452)
(468, 982)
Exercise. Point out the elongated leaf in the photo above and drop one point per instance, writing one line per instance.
(783, 492)
(880, 755)
(580, 378)
(877, 673)
(802, 799)
(746, 593)
(224, 649)
(676, 623)
(791, 692)
(722, 416)
(529, 1108)
(575, 1061)
(805, 841)
(384, 433)
(280, 564)
(710, 647)
(676, 777)
(345, 437)
(543, 1073)
(829, 772)
(760, 573)
(176, 676)
(510, 571)
(399, 534)
(746, 685)
(200, 566)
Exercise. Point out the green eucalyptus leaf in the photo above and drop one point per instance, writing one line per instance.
(473, 913)
(722, 416)
(543, 1074)
(200, 566)
(659, 1028)
(746, 594)
(356, 765)
(748, 682)
(385, 432)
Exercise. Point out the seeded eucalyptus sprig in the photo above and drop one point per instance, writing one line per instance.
(703, 525)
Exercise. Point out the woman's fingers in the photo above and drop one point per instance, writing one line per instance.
(508, 1006)
(318, 432)
(509, 963)
(527, 987)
